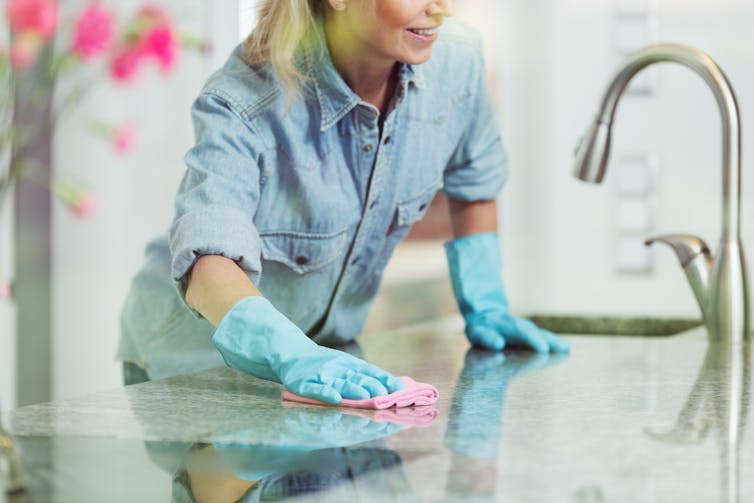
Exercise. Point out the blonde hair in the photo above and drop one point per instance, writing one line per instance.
(282, 26)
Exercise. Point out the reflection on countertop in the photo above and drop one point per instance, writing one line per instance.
(620, 419)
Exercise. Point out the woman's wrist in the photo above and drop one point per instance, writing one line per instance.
(215, 285)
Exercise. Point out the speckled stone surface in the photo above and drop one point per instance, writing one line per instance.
(621, 419)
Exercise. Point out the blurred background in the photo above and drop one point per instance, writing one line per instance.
(569, 247)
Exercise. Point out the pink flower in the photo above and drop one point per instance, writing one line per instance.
(76, 199)
(38, 16)
(85, 206)
(162, 44)
(123, 137)
(126, 64)
(150, 35)
(153, 14)
(6, 290)
(93, 32)
(24, 50)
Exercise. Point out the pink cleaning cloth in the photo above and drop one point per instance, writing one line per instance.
(415, 393)
(410, 417)
(420, 417)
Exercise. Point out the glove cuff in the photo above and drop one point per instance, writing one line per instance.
(253, 335)
(475, 268)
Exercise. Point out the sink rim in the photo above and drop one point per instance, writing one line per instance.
(615, 325)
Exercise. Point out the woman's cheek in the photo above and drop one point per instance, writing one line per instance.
(399, 13)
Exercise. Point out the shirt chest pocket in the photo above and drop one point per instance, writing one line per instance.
(303, 252)
(412, 210)
(407, 213)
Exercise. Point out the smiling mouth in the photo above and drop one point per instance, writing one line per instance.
(425, 32)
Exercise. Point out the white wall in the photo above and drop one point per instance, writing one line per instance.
(559, 232)
(95, 259)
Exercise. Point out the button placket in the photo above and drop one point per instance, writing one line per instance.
(368, 139)
(372, 218)
(365, 232)
(381, 155)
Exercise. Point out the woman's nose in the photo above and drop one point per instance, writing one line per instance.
(440, 8)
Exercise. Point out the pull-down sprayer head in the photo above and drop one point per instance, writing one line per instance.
(593, 153)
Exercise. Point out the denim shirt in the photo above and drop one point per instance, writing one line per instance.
(311, 198)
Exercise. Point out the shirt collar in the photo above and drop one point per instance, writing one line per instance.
(412, 74)
(334, 96)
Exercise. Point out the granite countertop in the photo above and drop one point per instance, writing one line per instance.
(622, 418)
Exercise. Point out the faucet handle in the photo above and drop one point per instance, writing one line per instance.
(696, 260)
(686, 246)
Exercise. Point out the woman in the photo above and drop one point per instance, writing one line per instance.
(318, 144)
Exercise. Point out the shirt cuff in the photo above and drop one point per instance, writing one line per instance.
(213, 231)
(471, 183)
(470, 193)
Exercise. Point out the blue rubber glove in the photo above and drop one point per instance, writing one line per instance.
(256, 338)
(476, 276)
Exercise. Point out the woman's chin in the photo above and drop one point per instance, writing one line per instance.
(417, 58)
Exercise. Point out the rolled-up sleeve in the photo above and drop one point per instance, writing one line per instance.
(478, 168)
(218, 196)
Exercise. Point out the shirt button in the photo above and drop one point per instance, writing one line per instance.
(301, 260)
(373, 204)
(353, 262)
(387, 140)
(367, 148)
(422, 207)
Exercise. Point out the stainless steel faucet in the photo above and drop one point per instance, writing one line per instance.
(720, 284)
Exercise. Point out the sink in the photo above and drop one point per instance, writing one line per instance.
(608, 325)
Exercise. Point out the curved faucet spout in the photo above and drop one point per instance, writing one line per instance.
(724, 295)
(593, 153)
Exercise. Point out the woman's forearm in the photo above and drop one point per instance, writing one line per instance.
(215, 284)
(475, 217)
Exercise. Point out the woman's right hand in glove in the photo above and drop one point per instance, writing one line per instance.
(256, 338)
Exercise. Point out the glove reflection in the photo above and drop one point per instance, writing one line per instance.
(301, 428)
(289, 452)
(475, 422)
